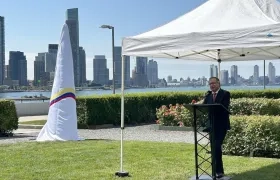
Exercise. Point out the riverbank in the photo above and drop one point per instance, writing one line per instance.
(11, 95)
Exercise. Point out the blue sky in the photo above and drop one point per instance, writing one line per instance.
(33, 24)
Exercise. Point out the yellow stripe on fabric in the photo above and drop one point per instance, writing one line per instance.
(61, 92)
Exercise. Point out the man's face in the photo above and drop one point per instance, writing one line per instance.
(214, 84)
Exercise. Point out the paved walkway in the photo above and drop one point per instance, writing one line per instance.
(32, 118)
(135, 133)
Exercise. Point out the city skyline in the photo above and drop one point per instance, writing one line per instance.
(98, 41)
(186, 69)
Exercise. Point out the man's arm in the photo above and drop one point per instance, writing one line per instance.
(204, 100)
(226, 100)
(206, 97)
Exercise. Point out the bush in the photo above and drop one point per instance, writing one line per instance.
(249, 135)
(8, 118)
(253, 136)
(98, 111)
(174, 116)
(271, 94)
(256, 106)
(141, 108)
(179, 115)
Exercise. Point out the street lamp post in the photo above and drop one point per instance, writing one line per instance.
(120, 173)
(113, 51)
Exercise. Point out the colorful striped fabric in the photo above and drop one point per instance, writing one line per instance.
(62, 94)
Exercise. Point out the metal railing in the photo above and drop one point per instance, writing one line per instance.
(28, 99)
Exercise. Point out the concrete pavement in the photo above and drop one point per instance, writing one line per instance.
(32, 118)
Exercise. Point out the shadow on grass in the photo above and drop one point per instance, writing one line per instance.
(265, 173)
(18, 136)
(111, 126)
(103, 140)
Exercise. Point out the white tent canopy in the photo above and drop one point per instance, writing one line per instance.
(218, 30)
(239, 29)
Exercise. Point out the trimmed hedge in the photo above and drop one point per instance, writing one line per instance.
(271, 94)
(8, 118)
(141, 108)
(256, 106)
(257, 136)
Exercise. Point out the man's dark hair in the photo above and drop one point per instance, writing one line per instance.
(217, 79)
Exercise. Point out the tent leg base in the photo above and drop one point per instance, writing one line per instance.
(122, 174)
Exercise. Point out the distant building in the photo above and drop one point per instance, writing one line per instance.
(39, 69)
(256, 75)
(72, 21)
(100, 70)
(2, 49)
(82, 59)
(141, 78)
(271, 73)
(7, 72)
(53, 48)
(18, 67)
(224, 78)
(118, 67)
(152, 72)
(50, 61)
(213, 71)
(234, 75)
(169, 79)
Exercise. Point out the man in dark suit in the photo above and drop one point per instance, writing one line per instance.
(221, 119)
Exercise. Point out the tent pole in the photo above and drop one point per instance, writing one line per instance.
(219, 64)
(122, 173)
(219, 69)
(263, 74)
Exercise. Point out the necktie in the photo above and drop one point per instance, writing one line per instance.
(214, 96)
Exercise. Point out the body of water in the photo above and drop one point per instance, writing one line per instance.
(9, 95)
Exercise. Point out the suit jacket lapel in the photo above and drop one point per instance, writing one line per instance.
(219, 96)
(210, 99)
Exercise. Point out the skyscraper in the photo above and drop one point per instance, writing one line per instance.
(256, 75)
(53, 48)
(18, 67)
(7, 72)
(224, 77)
(50, 58)
(50, 61)
(271, 73)
(39, 69)
(169, 78)
(118, 68)
(82, 59)
(213, 71)
(2, 49)
(72, 20)
(234, 74)
(141, 78)
(152, 72)
(100, 70)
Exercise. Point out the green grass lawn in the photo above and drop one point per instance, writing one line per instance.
(35, 122)
(99, 159)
